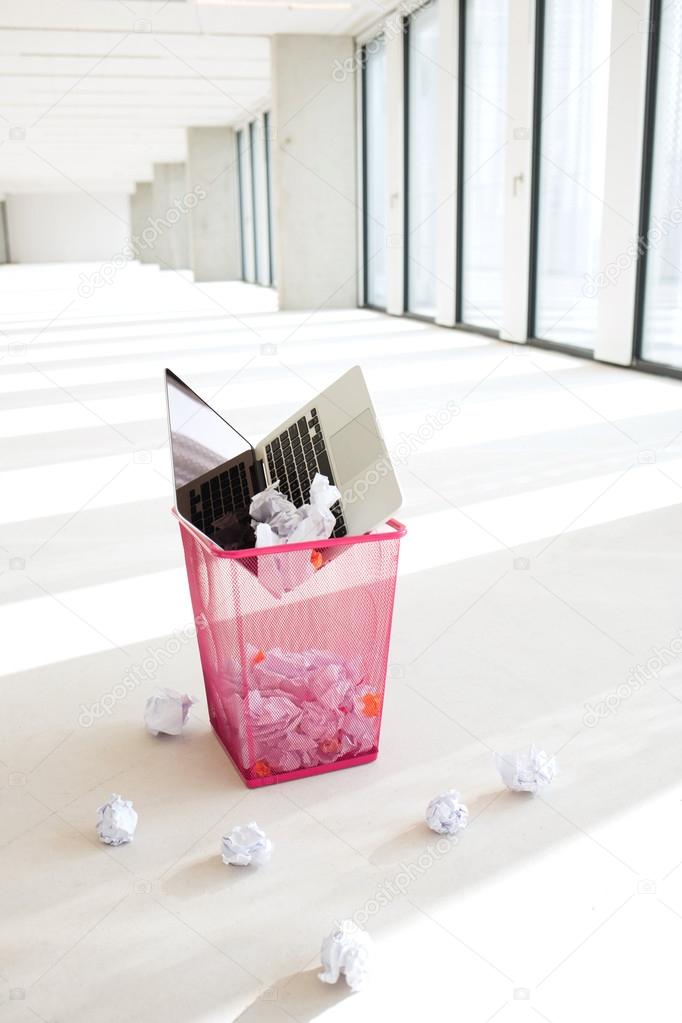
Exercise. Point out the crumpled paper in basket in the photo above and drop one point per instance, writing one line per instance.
(301, 710)
(529, 771)
(116, 821)
(166, 711)
(346, 952)
(277, 521)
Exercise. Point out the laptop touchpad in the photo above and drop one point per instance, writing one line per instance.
(356, 447)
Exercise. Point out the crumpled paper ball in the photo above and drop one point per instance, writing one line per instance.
(446, 815)
(346, 951)
(116, 821)
(527, 771)
(278, 520)
(246, 844)
(166, 711)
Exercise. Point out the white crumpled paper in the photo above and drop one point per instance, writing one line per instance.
(446, 815)
(346, 951)
(116, 821)
(166, 711)
(277, 521)
(528, 771)
(246, 844)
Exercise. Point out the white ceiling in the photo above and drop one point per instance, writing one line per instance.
(93, 92)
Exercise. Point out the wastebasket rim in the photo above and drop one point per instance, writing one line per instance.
(397, 532)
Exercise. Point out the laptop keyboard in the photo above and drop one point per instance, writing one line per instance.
(228, 492)
(293, 459)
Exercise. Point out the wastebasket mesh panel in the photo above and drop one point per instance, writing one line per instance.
(294, 682)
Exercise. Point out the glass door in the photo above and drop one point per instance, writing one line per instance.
(570, 138)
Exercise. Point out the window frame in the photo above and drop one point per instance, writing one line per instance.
(268, 194)
(647, 166)
(405, 25)
(365, 150)
(459, 185)
(362, 56)
(253, 141)
(238, 138)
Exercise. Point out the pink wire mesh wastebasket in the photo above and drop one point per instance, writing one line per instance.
(294, 647)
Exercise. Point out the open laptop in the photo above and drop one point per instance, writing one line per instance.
(216, 471)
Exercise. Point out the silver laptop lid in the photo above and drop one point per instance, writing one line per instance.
(200, 439)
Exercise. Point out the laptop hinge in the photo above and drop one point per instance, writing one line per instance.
(258, 476)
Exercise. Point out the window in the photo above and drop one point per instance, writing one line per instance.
(267, 131)
(421, 71)
(260, 203)
(483, 133)
(246, 206)
(661, 331)
(375, 169)
(255, 200)
(573, 36)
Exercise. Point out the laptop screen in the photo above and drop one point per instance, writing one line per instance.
(201, 440)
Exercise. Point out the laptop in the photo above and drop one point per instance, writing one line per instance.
(217, 472)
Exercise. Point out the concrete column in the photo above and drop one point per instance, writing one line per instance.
(4, 240)
(170, 216)
(214, 220)
(622, 182)
(314, 153)
(517, 203)
(141, 214)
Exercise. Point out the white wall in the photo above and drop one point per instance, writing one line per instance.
(171, 247)
(141, 212)
(314, 171)
(214, 221)
(70, 228)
